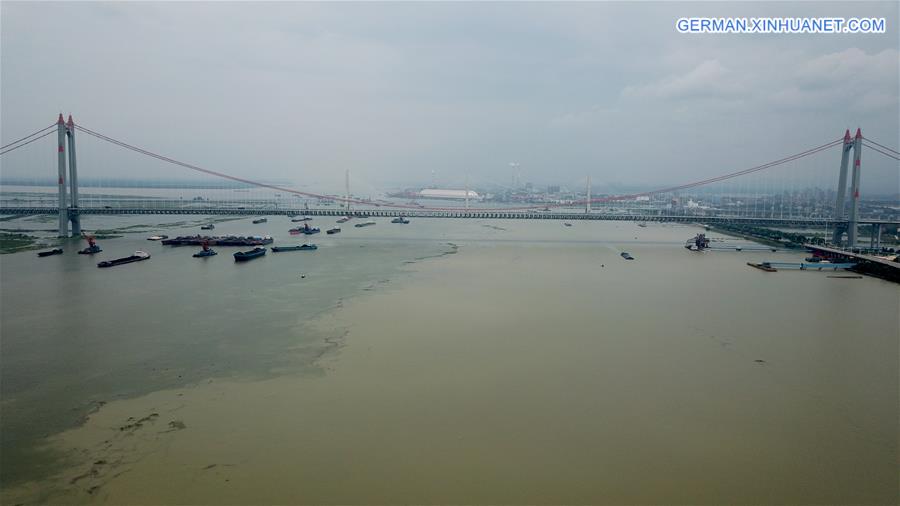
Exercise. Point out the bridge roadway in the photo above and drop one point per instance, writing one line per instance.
(868, 264)
(472, 213)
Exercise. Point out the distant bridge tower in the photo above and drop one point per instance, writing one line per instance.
(67, 213)
(851, 228)
(61, 169)
(347, 189)
(587, 201)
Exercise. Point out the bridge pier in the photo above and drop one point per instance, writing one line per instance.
(851, 228)
(841, 201)
(73, 214)
(67, 213)
(853, 220)
(61, 168)
(875, 240)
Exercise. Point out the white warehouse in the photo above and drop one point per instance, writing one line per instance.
(434, 193)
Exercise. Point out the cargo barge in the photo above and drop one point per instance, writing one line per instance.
(302, 247)
(137, 257)
(243, 256)
(230, 240)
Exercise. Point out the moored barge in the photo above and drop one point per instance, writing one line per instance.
(230, 240)
(137, 257)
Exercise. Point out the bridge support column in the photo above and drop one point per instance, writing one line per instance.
(853, 220)
(347, 185)
(73, 214)
(875, 240)
(841, 201)
(61, 167)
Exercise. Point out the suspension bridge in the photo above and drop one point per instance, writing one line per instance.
(781, 193)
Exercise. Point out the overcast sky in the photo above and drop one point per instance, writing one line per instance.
(301, 91)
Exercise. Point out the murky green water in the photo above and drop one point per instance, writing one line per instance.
(534, 366)
(74, 335)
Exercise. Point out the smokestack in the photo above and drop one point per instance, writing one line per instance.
(587, 201)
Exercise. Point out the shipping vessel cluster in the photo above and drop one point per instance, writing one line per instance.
(229, 240)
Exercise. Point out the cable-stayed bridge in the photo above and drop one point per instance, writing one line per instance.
(797, 190)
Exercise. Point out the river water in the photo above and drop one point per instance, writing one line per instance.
(445, 361)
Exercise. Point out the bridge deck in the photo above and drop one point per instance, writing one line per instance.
(425, 213)
(858, 256)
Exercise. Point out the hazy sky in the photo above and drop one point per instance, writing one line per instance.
(302, 91)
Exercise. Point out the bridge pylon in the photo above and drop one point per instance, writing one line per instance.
(73, 212)
(68, 204)
(852, 225)
(587, 192)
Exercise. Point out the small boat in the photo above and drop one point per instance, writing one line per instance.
(333, 230)
(91, 249)
(765, 266)
(627, 256)
(364, 224)
(157, 237)
(137, 257)
(57, 251)
(260, 220)
(567, 224)
(305, 229)
(205, 252)
(304, 218)
(344, 219)
(242, 256)
(302, 247)
(208, 227)
(400, 219)
(698, 243)
(642, 225)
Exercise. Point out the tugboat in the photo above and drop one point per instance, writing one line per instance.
(699, 243)
(333, 230)
(205, 252)
(305, 229)
(137, 257)
(92, 247)
(208, 227)
(364, 224)
(260, 220)
(303, 247)
(400, 219)
(627, 256)
(242, 256)
(157, 237)
(57, 251)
